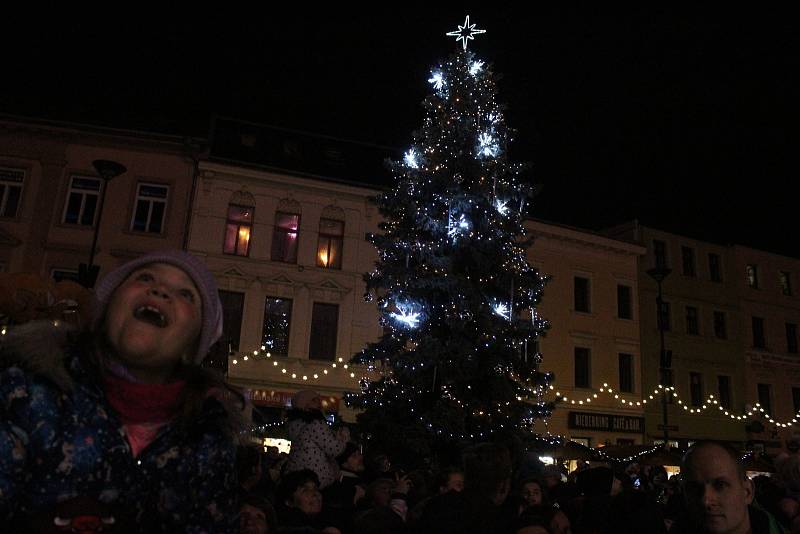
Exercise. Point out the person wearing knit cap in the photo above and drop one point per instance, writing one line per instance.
(122, 412)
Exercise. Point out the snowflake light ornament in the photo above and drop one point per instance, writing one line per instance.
(410, 159)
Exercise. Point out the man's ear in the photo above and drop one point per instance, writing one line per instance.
(749, 490)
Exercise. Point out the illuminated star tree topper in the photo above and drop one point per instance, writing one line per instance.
(465, 33)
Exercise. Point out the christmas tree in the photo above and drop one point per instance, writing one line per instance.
(456, 295)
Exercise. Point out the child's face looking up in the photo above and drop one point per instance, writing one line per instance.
(154, 320)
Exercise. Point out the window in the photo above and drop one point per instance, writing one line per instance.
(758, 333)
(324, 326)
(329, 247)
(284, 238)
(582, 368)
(752, 275)
(277, 324)
(82, 199)
(692, 326)
(582, 297)
(791, 338)
(724, 390)
(668, 380)
(624, 301)
(786, 282)
(660, 253)
(664, 316)
(796, 400)
(720, 325)
(232, 308)
(151, 204)
(626, 373)
(11, 181)
(765, 397)
(696, 389)
(714, 268)
(687, 255)
(238, 229)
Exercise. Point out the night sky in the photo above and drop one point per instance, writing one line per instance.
(685, 120)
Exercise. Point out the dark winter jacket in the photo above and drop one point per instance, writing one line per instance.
(60, 440)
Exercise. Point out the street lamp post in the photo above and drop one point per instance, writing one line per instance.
(107, 170)
(659, 274)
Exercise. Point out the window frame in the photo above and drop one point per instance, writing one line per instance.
(84, 193)
(728, 392)
(785, 280)
(330, 238)
(588, 353)
(151, 201)
(631, 385)
(588, 294)
(760, 340)
(751, 275)
(314, 336)
(715, 267)
(628, 304)
(280, 234)
(7, 184)
(791, 338)
(287, 334)
(239, 224)
(692, 320)
(765, 388)
(724, 322)
(697, 388)
(688, 262)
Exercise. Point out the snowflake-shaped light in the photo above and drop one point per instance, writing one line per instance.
(475, 67)
(406, 315)
(487, 145)
(502, 206)
(411, 159)
(502, 309)
(437, 79)
(458, 226)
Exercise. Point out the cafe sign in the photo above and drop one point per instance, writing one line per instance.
(604, 422)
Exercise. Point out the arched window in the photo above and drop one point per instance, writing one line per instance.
(287, 231)
(239, 225)
(331, 238)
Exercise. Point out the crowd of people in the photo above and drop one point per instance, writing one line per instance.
(114, 426)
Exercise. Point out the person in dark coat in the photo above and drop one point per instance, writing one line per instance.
(121, 414)
(483, 505)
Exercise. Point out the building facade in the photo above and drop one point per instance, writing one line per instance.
(289, 255)
(50, 195)
(593, 344)
(769, 317)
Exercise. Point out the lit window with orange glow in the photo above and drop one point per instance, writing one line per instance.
(331, 240)
(238, 230)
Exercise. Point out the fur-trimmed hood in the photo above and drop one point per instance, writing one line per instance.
(40, 348)
(46, 348)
